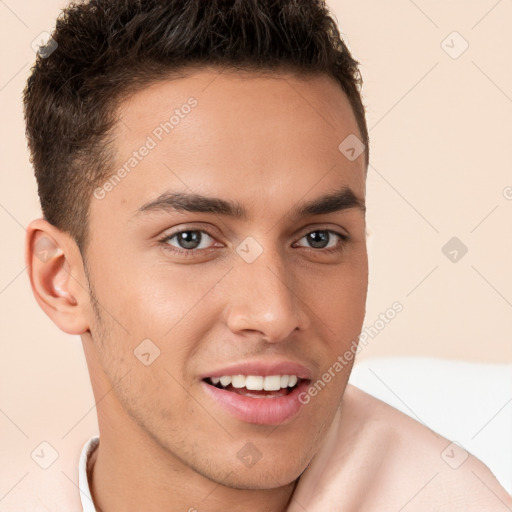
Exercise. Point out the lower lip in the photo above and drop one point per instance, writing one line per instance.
(261, 411)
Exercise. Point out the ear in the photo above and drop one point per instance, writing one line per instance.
(57, 276)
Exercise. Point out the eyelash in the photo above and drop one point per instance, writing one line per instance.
(344, 239)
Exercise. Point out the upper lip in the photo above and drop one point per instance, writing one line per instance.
(263, 368)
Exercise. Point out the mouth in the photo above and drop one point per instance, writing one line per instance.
(256, 386)
(257, 399)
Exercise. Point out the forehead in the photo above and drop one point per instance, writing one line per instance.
(253, 135)
(260, 96)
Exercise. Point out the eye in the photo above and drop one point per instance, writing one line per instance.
(323, 239)
(188, 241)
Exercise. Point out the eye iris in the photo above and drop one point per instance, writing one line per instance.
(318, 242)
(189, 239)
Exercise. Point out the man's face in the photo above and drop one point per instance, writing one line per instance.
(275, 292)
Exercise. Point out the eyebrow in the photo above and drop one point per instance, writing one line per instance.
(338, 200)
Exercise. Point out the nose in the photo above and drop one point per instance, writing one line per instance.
(264, 298)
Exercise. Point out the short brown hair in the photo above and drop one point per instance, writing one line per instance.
(106, 49)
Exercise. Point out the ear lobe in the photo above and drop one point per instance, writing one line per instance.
(55, 270)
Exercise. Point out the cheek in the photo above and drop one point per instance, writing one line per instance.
(156, 298)
(165, 302)
(338, 293)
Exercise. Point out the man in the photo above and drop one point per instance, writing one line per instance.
(201, 169)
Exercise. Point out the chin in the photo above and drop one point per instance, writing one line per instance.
(261, 476)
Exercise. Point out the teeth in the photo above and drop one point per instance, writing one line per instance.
(272, 383)
(225, 380)
(238, 381)
(254, 382)
(257, 382)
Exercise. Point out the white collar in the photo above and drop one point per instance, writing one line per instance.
(83, 482)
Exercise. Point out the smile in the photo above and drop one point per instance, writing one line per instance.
(271, 385)
(241, 396)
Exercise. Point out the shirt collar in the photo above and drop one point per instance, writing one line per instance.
(83, 481)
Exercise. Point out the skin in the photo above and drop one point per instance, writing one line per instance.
(269, 143)
(297, 303)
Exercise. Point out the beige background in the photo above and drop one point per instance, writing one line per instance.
(441, 156)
